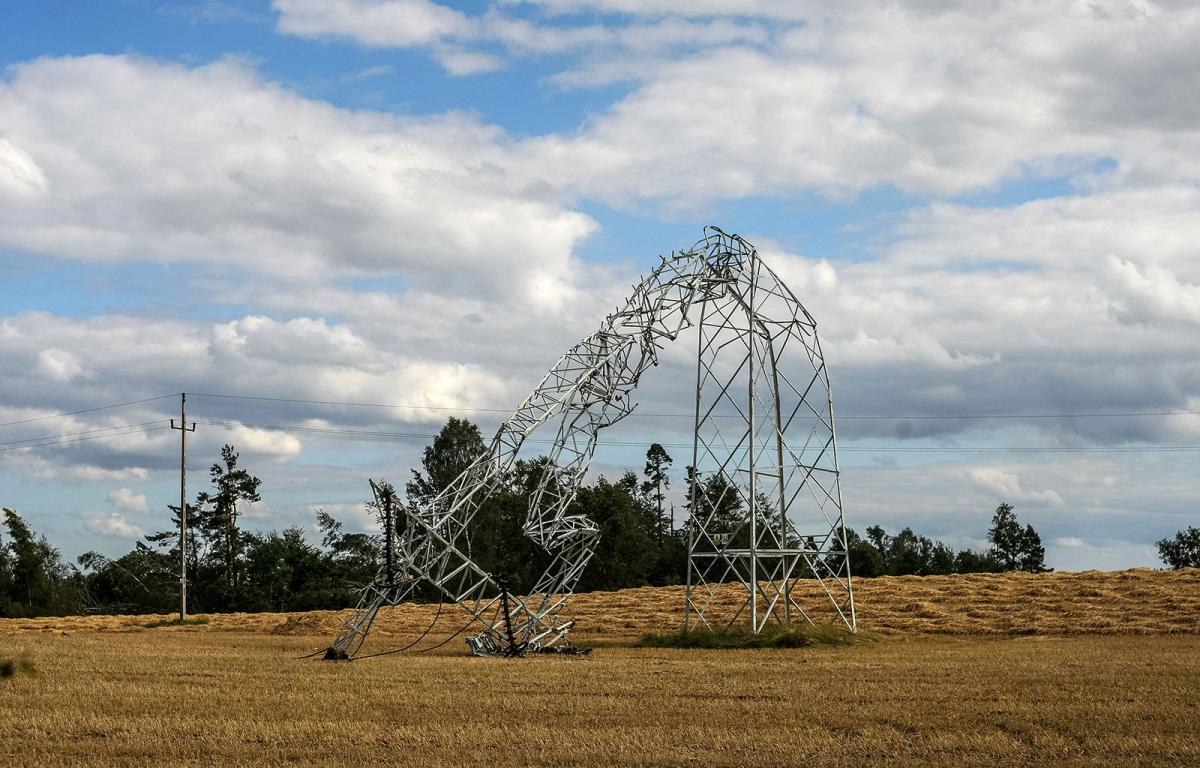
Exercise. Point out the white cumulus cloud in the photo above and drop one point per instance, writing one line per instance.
(397, 23)
(153, 161)
(20, 177)
(1006, 486)
(111, 524)
(125, 500)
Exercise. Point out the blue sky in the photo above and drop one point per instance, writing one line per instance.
(990, 209)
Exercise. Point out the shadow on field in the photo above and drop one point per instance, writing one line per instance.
(10, 667)
(771, 636)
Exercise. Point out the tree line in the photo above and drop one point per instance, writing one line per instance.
(1013, 548)
(232, 569)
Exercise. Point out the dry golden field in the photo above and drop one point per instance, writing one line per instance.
(1055, 669)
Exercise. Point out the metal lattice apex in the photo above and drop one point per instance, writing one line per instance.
(764, 494)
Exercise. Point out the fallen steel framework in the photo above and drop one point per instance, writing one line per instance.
(764, 494)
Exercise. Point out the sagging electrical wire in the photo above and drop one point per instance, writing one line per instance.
(421, 637)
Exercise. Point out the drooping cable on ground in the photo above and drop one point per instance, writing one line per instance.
(422, 636)
(448, 639)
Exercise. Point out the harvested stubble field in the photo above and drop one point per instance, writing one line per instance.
(1053, 669)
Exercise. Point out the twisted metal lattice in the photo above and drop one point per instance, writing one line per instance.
(764, 510)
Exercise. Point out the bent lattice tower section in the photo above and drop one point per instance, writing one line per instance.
(764, 493)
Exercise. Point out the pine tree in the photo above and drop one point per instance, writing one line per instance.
(1006, 537)
(169, 539)
(219, 511)
(1013, 547)
(658, 462)
(1033, 554)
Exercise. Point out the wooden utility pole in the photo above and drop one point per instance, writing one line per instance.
(183, 433)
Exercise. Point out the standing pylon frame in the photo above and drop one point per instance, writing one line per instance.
(764, 489)
(739, 301)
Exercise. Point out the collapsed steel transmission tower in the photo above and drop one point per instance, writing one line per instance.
(764, 493)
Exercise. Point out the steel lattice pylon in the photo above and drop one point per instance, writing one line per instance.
(765, 494)
(765, 490)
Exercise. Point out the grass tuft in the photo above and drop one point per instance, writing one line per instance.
(192, 622)
(740, 636)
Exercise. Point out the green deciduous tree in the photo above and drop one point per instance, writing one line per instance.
(626, 553)
(457, 444)
(910, 554)
(140, 581)
(354, 557)
(283, 572)
(715, 506)
(1183, 551)
(37, 581)
(970, 561)
(865, 560)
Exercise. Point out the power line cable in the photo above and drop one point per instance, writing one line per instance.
(420, 637)
(1118, 449)
(352, 433)
(344, 402)
(125, 429)
(329, 430)
(841, 417)
(81, 437)
(84, 410)
(79, 434)
(50, 441)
